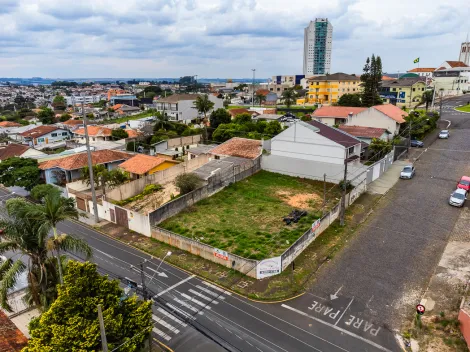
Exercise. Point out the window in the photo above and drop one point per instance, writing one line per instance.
(40, 140)
(354, 89)
(414, 89)
(53, 134)
(350, 151)
(394, 89)
(278, 89)
(64, 133)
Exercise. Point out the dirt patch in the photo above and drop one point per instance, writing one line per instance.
(155, 200)
(301, 200)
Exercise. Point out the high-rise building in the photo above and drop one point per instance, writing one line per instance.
(318, 37)
(465, 53)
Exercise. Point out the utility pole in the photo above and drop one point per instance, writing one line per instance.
(343, 196)
(324, 193)
(253, 88)
(90, 166)
(409, 134)
(104, 342)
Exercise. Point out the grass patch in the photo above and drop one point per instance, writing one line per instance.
(128, 118)
(465, 108)
(246, 218)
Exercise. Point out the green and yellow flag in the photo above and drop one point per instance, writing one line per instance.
(416, 60)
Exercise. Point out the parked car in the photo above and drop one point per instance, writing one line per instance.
(444, 134)
(458, 197)
(416, 143)
(408, 172)
(464, 183)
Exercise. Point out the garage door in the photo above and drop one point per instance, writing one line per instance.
(81, 204)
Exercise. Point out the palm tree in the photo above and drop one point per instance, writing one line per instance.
(260, 98)
(426, 98)
(162, 122)
(28, 238)
(203, 105)
(288, 96)
(54, 210)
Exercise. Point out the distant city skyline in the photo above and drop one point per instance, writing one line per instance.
(219, 38)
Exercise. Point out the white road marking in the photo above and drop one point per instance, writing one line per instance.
(210, 292)
(172, 317)
(338, 328)
(184, 304)
(203, 296)
(218, 324)
(180, 311)
(202, 304)
(344, 311)
(175, 285)
(162, 334)
(162, 274)
(106, 254)
(228, 330)
(259, 349)
(165, 324)
(217, 288)
(238, 337)
(248, 343)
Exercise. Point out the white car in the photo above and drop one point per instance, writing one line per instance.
(444, 134)
(408, 172)
(458, 197)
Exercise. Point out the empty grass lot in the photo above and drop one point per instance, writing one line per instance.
(465, 108)
(246, 218)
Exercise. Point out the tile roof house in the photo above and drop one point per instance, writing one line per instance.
(239, 147)
(335, 115)
(95, 133)
(386, 116)
(143, 165)
(69, 167)
(11, 338)
(235, 112)
(45, 134)
(366, 134)
(5, 124)
(451, 64)
(19, 150)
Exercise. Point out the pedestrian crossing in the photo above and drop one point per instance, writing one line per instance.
(184, 305)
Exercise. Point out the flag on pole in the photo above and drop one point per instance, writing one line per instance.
(416, 60)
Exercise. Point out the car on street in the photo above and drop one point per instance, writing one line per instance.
(444, 134)
(458, 197)
(417, 144)
(408, 172)
(464, 183)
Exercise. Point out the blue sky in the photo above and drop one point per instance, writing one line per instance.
(219, 38)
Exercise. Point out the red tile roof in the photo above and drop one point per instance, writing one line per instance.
(360, 131)
(132, 133)
(39, 131)
(456, 64)
(11, 338)
(337, 111)
(95, 131)
(12, 149)
(387, 78)
(141, 164)
(392, 111)
(235, 112)
(423, 69)
(73, 122)
(239, 147)
(79, 161)
(9, 124)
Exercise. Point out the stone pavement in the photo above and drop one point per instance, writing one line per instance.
(388, 179)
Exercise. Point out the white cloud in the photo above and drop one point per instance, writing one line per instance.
(218, 38)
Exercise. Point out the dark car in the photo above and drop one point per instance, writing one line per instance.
(416, 143)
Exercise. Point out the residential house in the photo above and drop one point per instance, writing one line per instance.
(403, 91)
(452, 81)
(14, 133)
(235, 112)
(143, 165)
(46, 134)
(328, 89)
(451, 64)
(5, 124)
(271, 99)
(95, 133)
(423, 71)
(125, 110)
(181, 107)
(386, 116)
(19, 150)
(238, 147)
(366, 134)
(335, 115)
(71, 124)
(202, 149)
(68, 169)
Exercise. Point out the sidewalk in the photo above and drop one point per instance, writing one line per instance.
(388, 179)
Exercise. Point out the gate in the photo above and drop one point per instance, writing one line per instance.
(121, 217)
(81, 204)
(113, 217)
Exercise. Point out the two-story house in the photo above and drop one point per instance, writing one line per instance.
(45, 134)
(181, 108)
(404, 91)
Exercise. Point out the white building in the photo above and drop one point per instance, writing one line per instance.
(318, 38)
(86, 99)
(181, 107)
(423, 71)
(464, 55)
(46, 134)
(452, 81)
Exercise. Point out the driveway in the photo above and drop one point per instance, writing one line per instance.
(383, 273)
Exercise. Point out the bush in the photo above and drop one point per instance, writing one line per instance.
(187, 182)
(119, 133)
(40, 191)
(149, 189)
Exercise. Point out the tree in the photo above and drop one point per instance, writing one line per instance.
(203, 105)
(104, 178)
(242, 118)
(427, 97)
(21, 172)
(119, 133)
(380, 148)
(218, 117)
(27, 236)
(350, 100)
(71, 323)
(162, 122)
(371, 78)
(65, 117)
(40, 191)
(59, 102)
(260, 98)
(273, 128)
(288, 97)
(46, 116)
(187, 182)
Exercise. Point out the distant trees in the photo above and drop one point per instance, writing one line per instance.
(288, 97)
(21, 172)
(65, 117)
(350, 100)
(46, 116)
(119, 133)
(59, 102)
(371, 78)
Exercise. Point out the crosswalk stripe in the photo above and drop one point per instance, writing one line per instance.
(210, 292)
(184, 304)
(172, 317)
(180, 311)
(162, 334)
(202, 304)
(165, 324)
(203, 296)
(217, 288)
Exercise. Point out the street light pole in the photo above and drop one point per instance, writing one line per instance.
(158, 267)
(253, 88)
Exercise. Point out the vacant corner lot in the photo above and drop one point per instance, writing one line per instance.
(246, 218)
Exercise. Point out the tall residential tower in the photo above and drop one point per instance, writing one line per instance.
(318, 37)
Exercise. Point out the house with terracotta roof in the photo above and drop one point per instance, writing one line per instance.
(335, 115)
(386, 116)
(5, 124)
(451, 64)
(68, 169)
(95, 133)
(142, 165)
(423, 71)
(18, 150)
(238, 147)
(366, 134)
(235, 112)
(45, 134)
(71, 124)
(181, 108)
(11, 338)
